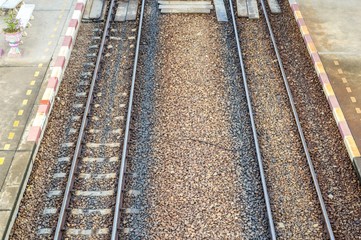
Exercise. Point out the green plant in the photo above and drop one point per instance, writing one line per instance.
(12, 24)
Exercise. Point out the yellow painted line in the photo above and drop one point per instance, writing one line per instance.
(319, 68)
(11, 135)
(353, 99)
(327, 88)
(344, 80)
(20, 112)
(57, 22)
(351, 147)
(338, 115)
(340, 71)
(2, 160)
(52, 36)
(304, 30)
(348, 89)
(7, 147)
(298, 14)
(49, 43)
(311, 47)
(16, 123)
(60, 16)
(28, 92)
(336, 63)
(46, 50)
(55, 29)
(358, 110)
(36, 74)
(32, 83)
(40, 65)
(25, 101)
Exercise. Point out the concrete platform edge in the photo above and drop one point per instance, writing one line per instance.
(57, 71)
(352, 149)
(21, 190)
(38, 125)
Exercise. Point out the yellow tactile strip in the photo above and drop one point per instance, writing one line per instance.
(348, 139)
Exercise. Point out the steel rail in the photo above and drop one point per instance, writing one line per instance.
(121, 179)
(300, 131)
(254, 129)
(70, 183)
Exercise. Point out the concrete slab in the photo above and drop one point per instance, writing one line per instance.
(6, 160)
(252, 8)
(8, 196)
(18, 168)
(132, 10)
(121, 11)
(23, 81)
(96, 9)
(87, 10)
(37, 48)
(19, 87)
(333, 28)
(220, 11)
(4, 219)
(242, 8)
(53, 5)
(274, 6)
(333, 25)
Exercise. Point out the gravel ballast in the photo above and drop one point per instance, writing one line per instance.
(294, 203)
(191, 171)
(191, 152)
(338, 180)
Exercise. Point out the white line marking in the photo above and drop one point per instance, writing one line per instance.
(64, 159)
(104, 211)
(59, 175)
(67, 144)
(100, 160)
(94, 193)
(96, 145)
(49, 211)
(74, 231)
(54, 193)
(78, 105)
(98, 176)
(80, 94)
(45, 231)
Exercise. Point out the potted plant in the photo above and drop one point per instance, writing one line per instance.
(13, 33)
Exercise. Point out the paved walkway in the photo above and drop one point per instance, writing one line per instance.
(335, 29)
(21, 84)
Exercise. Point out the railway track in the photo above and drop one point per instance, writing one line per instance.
(296, 119)
(190, 168)
(88, 201)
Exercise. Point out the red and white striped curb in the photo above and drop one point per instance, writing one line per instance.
(348, 139)
(56, 75)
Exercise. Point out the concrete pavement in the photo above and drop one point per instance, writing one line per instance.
(334, 28)
(23, 80)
